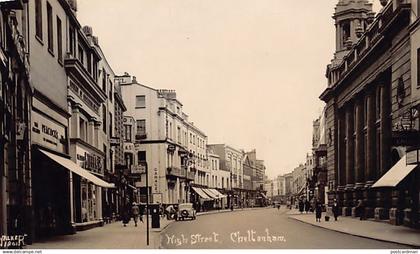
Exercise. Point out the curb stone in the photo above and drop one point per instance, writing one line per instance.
(353, 234)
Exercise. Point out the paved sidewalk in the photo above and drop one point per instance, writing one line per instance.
(110, 236)
(368, 228)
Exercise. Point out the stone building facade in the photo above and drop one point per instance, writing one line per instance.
(368, 105)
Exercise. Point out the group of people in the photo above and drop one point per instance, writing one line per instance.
(135, 211)
(319, 207)
(314, 206)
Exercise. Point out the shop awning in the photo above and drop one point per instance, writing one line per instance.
(73, 167)
(395, 175)
(218, 194)
(201, 193)
(209, 193)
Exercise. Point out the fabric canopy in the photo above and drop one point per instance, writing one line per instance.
(210, 193)
(201, 193)
(218, 194)
(73, 167)
(395, 175)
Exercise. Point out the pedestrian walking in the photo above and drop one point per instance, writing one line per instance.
(125, 214)
(318, 211)
(135, 211)
(301, 206)
(307, 205)
(141, 212)
(335, 209)
(360, 209)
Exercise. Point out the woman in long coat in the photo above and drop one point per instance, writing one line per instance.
(318, 211)
(301, 206)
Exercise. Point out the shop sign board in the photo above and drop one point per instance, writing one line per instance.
(413, 157)
(47, 133)
(89, 160)
(138, 169)
(155, 185)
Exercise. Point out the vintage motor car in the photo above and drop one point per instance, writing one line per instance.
(185, 210)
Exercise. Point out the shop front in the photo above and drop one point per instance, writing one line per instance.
(88, 210)
(50, 181)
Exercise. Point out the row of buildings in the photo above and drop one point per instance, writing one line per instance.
(76, 139)
(366, 143)
(159, 137)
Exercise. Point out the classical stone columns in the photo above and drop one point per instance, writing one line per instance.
(341, 178)
(349, 156)
(370, 150)
(383, 197)
(350, 147)
(359, 152)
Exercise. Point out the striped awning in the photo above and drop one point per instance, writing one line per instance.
(201, 193)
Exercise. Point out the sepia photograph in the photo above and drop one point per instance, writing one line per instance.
(155, 125)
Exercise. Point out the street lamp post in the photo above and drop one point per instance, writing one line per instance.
(144, 163)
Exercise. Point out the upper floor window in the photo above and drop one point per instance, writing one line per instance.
(110, 90)
(104, 126)
(141, 156)
(81, 55)
(104, 76)
(59, 40)
(127, 133)
(140, 101)
(141, 127)
(89, 62)
(50, 28)
(38, 19)
(72, 39)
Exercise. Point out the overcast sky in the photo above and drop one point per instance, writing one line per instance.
(249, 72)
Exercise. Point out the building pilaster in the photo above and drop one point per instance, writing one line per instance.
(348, 196)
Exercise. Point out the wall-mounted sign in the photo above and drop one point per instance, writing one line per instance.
(89, 160)
(47, 133)
(138, 169)
(413, 157)
(128, 147)
(408, 121)
(155, 185)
